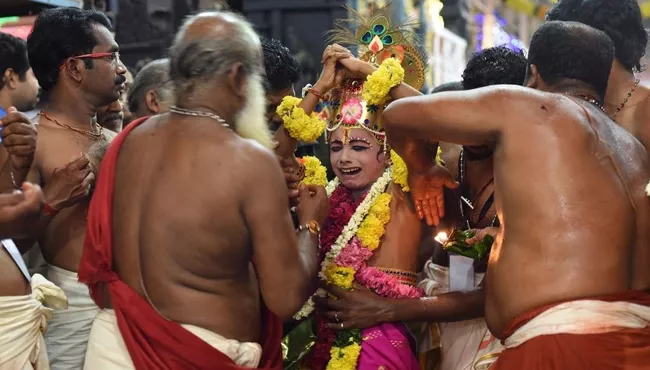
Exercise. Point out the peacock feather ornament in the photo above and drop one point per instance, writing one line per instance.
(377, 39)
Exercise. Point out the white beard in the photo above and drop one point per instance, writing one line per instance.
(250, 122)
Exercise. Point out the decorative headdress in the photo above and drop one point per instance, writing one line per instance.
(359, 103)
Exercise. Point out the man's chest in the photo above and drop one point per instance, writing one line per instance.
(57, 150)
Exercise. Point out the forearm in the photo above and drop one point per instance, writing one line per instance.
(308, 249)
(403, 91)
(310, 101)
(448, 307)
(419, 155)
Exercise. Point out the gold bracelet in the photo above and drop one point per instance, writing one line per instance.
(13, 180)
(312, 226)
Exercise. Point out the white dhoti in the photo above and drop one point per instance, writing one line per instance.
(68, 332)
(582, 317)
(459, 341)
(107, 350)
(23, 319)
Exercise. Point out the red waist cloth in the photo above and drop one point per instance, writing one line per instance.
(626, 349)
(153, 342)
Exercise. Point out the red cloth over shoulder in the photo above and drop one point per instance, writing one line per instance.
(153, 342)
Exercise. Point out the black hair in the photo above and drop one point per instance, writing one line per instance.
(449, 86)
(281, 66)
(620, 19)
(59, 34)
(569, 52)
(495, 66)
(14, 55)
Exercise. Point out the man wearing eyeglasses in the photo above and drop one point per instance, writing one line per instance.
(76, 61)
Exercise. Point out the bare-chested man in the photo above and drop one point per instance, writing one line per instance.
(627, 100)
(76, 60)
(560, 165)
(195, 250)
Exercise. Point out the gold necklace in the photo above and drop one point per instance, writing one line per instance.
(629, 94)
(95, 136)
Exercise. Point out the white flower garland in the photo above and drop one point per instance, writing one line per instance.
(378, 188)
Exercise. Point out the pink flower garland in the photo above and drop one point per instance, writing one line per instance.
(386, 285)
(354, 255)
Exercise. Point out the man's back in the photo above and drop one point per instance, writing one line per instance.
(573, 208)
(179, 230)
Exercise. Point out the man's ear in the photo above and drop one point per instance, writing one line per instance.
(10, 78)
(532, 77)
(75, 69)
(151, 99)
(236, 80)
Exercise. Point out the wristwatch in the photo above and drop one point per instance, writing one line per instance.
(312, 226)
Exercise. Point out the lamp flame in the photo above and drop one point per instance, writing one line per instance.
(442, 237)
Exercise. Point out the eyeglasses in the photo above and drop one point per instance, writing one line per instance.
(113, 56)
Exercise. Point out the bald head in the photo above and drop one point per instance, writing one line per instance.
(210, 45)
(216, 64)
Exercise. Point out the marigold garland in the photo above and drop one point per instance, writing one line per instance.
(344, 358)
(377, 87)
(400, 171)
(339, 276)
(372, 228)
(299, 125)
(315, 172)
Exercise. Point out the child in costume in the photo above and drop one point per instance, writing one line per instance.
(372, 235)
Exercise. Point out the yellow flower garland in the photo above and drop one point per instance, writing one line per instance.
(344, 358)
(302, 127)
(377, 87)
(315, 172)
(340, 276)
(372, 228)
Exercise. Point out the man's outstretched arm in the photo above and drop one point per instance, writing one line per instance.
(475, 117)
(362, 308)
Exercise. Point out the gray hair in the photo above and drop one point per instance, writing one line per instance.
(154, 75)
(212, 54)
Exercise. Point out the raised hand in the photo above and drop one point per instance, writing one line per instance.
(69, 184)
(332, 75)
(292, 177)
(314, 205)
(19, 138)
(19, 211)
(356, 68)
(427, 189)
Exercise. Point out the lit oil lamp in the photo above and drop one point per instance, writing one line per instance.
(456, 243)
(441, 238)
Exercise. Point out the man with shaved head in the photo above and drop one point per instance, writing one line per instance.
(196, 262)
(566, 288)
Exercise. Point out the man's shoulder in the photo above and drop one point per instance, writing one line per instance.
(252, 152)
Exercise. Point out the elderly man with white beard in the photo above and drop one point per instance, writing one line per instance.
(190, 249)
